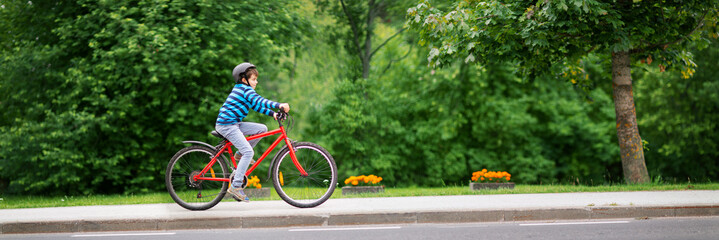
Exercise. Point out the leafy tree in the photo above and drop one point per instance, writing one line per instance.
(357, 21)
(99, 94)
(536, 34)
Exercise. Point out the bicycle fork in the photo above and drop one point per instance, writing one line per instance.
(294, 157)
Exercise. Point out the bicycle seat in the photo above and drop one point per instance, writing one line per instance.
(216, 134)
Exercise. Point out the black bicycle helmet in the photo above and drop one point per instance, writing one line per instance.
(240, 71)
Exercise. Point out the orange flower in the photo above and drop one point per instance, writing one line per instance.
(497, 176)
(254, 181)
(363, 179)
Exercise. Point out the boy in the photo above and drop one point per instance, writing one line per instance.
(229, 122)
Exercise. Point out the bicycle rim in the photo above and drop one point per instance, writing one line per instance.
(305, 191)
(195, 194)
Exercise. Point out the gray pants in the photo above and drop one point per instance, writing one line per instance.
(236, 134)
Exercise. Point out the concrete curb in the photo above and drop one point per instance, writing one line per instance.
(419, 217)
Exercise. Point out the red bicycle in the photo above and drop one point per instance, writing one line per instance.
(303, 174)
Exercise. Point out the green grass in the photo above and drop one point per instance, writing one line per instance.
(8, 202)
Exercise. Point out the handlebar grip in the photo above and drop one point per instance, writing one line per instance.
(281, 115)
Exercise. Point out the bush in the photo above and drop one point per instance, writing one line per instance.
(99, 94)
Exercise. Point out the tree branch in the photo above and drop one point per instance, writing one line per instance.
(592, 49)
(680, 39)
(490, 16)
(385, 42)
(411, 46)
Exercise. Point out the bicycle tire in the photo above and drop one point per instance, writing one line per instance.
(305, 191)
(187, 193)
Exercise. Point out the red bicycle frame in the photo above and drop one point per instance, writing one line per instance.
(228, 148)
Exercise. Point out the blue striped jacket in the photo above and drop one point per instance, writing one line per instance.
(238, 104)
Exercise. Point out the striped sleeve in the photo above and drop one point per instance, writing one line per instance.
(260, 104)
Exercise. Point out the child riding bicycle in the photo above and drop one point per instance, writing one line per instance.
(229, 122)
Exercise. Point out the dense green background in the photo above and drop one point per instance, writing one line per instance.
(96, 96)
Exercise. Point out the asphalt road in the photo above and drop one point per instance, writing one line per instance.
(634, 229)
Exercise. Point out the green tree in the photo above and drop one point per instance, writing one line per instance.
(356, 23)
(536, 34)
(99, 94)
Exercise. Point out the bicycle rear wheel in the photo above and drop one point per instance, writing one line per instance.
(305, 191)
(195, 194)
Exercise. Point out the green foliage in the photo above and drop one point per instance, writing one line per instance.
(536, 34)
(99, 95)
(679, 119)
(417, 126)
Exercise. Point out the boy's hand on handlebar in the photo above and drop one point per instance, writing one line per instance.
(285, 107)
(279, 115)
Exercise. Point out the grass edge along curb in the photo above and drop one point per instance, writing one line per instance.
(13, 202)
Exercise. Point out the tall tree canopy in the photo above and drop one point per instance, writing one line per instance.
(535, 34)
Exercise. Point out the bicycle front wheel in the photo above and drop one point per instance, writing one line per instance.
(312, 189)
(195, 194)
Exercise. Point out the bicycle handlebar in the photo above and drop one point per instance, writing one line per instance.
(281, 116)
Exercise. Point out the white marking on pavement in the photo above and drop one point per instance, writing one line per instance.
(123, 234)
(570, 223)
(466, 226)
(342, 229)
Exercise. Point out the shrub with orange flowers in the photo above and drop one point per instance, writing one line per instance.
(254, 181)
(490, 176)
(363, 180)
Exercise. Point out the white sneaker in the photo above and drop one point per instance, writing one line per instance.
(238, 193)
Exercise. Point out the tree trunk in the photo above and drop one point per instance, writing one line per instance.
(630, 143)
(368, 39)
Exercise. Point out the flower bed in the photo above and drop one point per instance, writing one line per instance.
(490, 180)
(362, 184)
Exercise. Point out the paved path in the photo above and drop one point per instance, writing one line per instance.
(351, 211)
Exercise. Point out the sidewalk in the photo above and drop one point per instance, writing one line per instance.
(354, 211)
